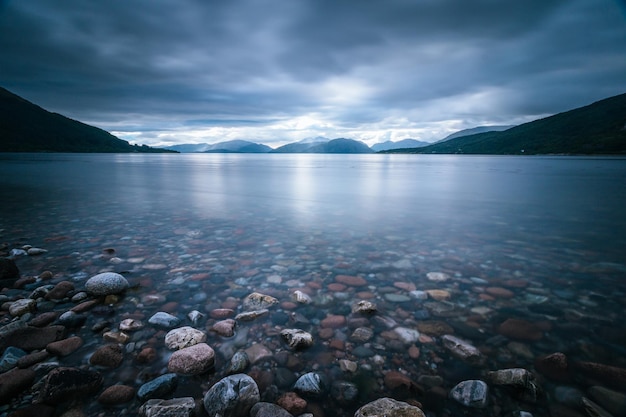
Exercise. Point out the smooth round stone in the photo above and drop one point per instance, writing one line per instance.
(300, 297)
(351, 281)
(192, 360)
(388, 407)
(419, 295)
(333, 321)
(183, 337)
(397, 298)
(116, 394)
(164, 319)
(406, 335)
(20, 307)
(158, 387)
(471, 393)
(106, 283)
(499, 292)
(232, 396)
(437, 276)
(310, 383)
(439, 295)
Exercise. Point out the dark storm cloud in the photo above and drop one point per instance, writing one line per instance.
(301, 67)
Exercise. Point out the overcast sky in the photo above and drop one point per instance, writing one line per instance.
(160, 72)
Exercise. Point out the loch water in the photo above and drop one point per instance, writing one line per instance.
(540, 240)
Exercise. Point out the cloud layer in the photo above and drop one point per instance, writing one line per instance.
(274, 71)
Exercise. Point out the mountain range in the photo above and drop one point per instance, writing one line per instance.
(26, 127)
(598, 128)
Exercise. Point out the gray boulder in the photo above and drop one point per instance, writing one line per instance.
(388, 407)
(232, 396)
(471, 393)
(106, 283)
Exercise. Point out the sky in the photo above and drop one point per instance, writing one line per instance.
(162, 72)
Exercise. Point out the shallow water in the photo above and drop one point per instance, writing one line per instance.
(197, 229)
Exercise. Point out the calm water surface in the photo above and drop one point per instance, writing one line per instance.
(197, 229)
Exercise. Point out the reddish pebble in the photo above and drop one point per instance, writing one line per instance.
(365, 295)
(407, 286)
(288, 305)
(333, 321)
(414, 352)
(351, 280)
(170, 307)
(221, 313)
(336, 287)
(499, 292)
(486, 297)
(337, 344)
(326, 333)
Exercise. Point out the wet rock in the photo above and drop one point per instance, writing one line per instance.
(195, 316)
(36, 251)
(264, 409)
(13, 382)
(117, 337)
(364, 307)
(311, 383)
(163, 319)
(117, 394)
(471, 393)
(258, 352)
(554, 366)
(348, 366)
(71, 320)
(63, 384)
(60, 291)
(106, 283)
(64, 347)
(406, 335)
(569, 396)
(388, 407)
(499, 292)
(297, 338)
(439, 295)
(20, 307)
(30, 338)
(351, 281)
(252, 315)
(131, 325)
(183, 337)
(9, 273)
(520, 330)
(462, 349)
(239, 362)
(395, 380)
(43, 319)
(300, 297)
(292, 402)
(434, 328)
(521, 380)
(158, 387)
(612, 401)
(10, 357)
(32, 359)
(593, 409)
(362, 334)
(225, 328)
(611, 376)
(258, 301)
(192, 360)
(109, 356)
(333, 321)
(232, 396)
(344, 392)
(176, 407)
(221, 313)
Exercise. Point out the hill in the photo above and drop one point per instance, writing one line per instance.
(231, 146)
(26, 127)
(595, 129)
(473, 131)
(404, 143)
(339, 145)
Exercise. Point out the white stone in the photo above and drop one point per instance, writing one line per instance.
(20, 307)
(406, 335)
(183, 337)
(106, 283)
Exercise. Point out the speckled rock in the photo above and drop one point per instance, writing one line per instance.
(106, 283)
(388, 407)
(184, 337)
(176, 407)
(192, 360)
(158, 387)
(22, 306)
(232, 396)
(297, 338)
(258, 301)
(292, 402)
(471, 393)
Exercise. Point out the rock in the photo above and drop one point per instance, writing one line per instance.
(519, 379)
(131, 325)
(520, 329)
(192, 360)
(232, 396)
(351, 281)
(553, 366)
(263, 409)
(471, 393)
(311, 384)
(439, 295)
(195, 316)
(13, 382)
(258, 352)
(348, 366)
(258, 301)
(297, 338)
(36, 251)
(106, 283)
(10, 357)
(406, 335)
(594, 409)
(20, 307)
(71, 319)
(462, 349)
(388, 407)
(9, 273)
(362, 334)
(64, 347)
(183, 337)
(344, 392)
(64, 384)
(612, 401)
(364, 307)
(176, 407)
(434, 328)
(397, 380)
(158, 387)
(43, 319)
(221, 313)
(333, 321)
(437, 276)
(117, 394)
(252, 315)
(30, 338)
(225, 328)
(292, 402)
(397, 298)
(499, 292)
(108, 356)
(300, 297)
(611, 376)
(163, 319)
(569, 396)
(60, 291)
(239, 362)
(116, 337)
(32, 359)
